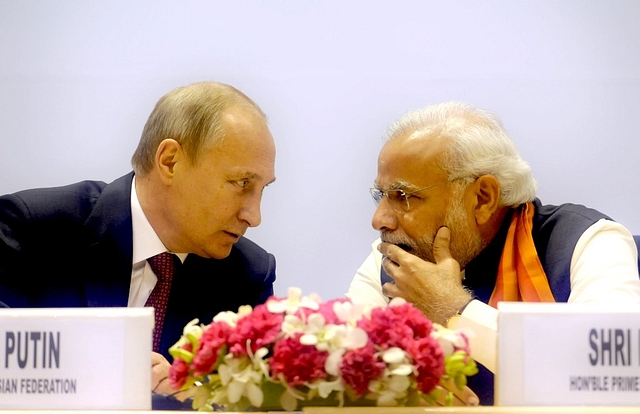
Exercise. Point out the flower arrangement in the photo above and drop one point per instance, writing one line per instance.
(300, 351)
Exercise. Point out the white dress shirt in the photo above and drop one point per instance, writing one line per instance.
(146, 244)
(604, 269)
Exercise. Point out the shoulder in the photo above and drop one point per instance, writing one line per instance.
(72, 211)
(257, 259)
(249, 271)
(76, 200)
(567, 211)
(53, 206)
(43, 201)
(565, 218)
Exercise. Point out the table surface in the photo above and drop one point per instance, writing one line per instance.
(394, 410)
(478, 410)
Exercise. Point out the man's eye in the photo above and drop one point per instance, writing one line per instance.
(396, 195)
(242, 183)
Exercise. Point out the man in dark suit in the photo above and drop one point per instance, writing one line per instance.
(203, 161)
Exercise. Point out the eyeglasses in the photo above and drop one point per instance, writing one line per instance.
(398, 199)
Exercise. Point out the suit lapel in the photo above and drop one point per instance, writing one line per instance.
(110, 250)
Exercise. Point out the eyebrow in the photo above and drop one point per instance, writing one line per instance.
(256, 177)
(398, 185)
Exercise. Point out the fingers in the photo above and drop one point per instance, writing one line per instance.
(464, 396)
(441, 244)
(160, 383)
(390, 290)
(160, 374)
(384, 248)
(164, 387)
(392, 252)
(157, 358)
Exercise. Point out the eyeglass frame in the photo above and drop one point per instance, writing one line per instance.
(378, 195)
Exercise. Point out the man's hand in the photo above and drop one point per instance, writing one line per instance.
(434, 288)
(464, 396)
(160, 374)
(160, 383)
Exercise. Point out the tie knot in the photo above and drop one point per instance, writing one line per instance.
(163, 265)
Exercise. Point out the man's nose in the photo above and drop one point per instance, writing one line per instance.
(384, 218)
(250, 211)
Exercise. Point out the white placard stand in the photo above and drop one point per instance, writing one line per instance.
(559, 354)
(75, 358)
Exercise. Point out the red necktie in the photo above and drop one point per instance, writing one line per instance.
(164, 266)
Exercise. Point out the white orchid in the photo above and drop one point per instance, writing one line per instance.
(294, 302)
(449, 339)
(242, 377)
(398, 362)
(394, 384)
(292, 324)
(326, 337)
(324, 388)
(390, 389)
(231, 318)
(191, 333)
(289, 398)
(193, 328)
(313, 330)
(351, 312)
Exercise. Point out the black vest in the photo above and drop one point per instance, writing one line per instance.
(556, 230)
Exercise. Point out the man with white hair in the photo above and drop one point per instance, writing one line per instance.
(461, 229)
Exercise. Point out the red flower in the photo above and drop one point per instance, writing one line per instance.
(261, 327)
(178, 373)
(298, 363)
(179, 370)
(429, 362)
(211, 348)
(359, 367)
(396, 326)
(415, 319)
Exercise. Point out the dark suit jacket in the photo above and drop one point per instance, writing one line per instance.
(72, 246)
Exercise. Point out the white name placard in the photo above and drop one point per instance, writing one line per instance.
(563, 354)
(75, 358)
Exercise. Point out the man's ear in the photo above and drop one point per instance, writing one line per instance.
(168, 154)
(487, 196)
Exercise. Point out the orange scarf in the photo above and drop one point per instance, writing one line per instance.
(521, 277)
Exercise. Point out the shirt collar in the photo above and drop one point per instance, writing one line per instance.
(146, 242)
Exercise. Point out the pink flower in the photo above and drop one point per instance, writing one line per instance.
(178, 373)
(359, 367)
(415, 319)
(429, 362)
(298, 363)
(211, 348)
(326, 309)
(261, 327)
(396, 326)
(179, 370)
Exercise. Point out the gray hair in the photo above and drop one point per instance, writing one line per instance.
(478, 145)
(192, 116)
